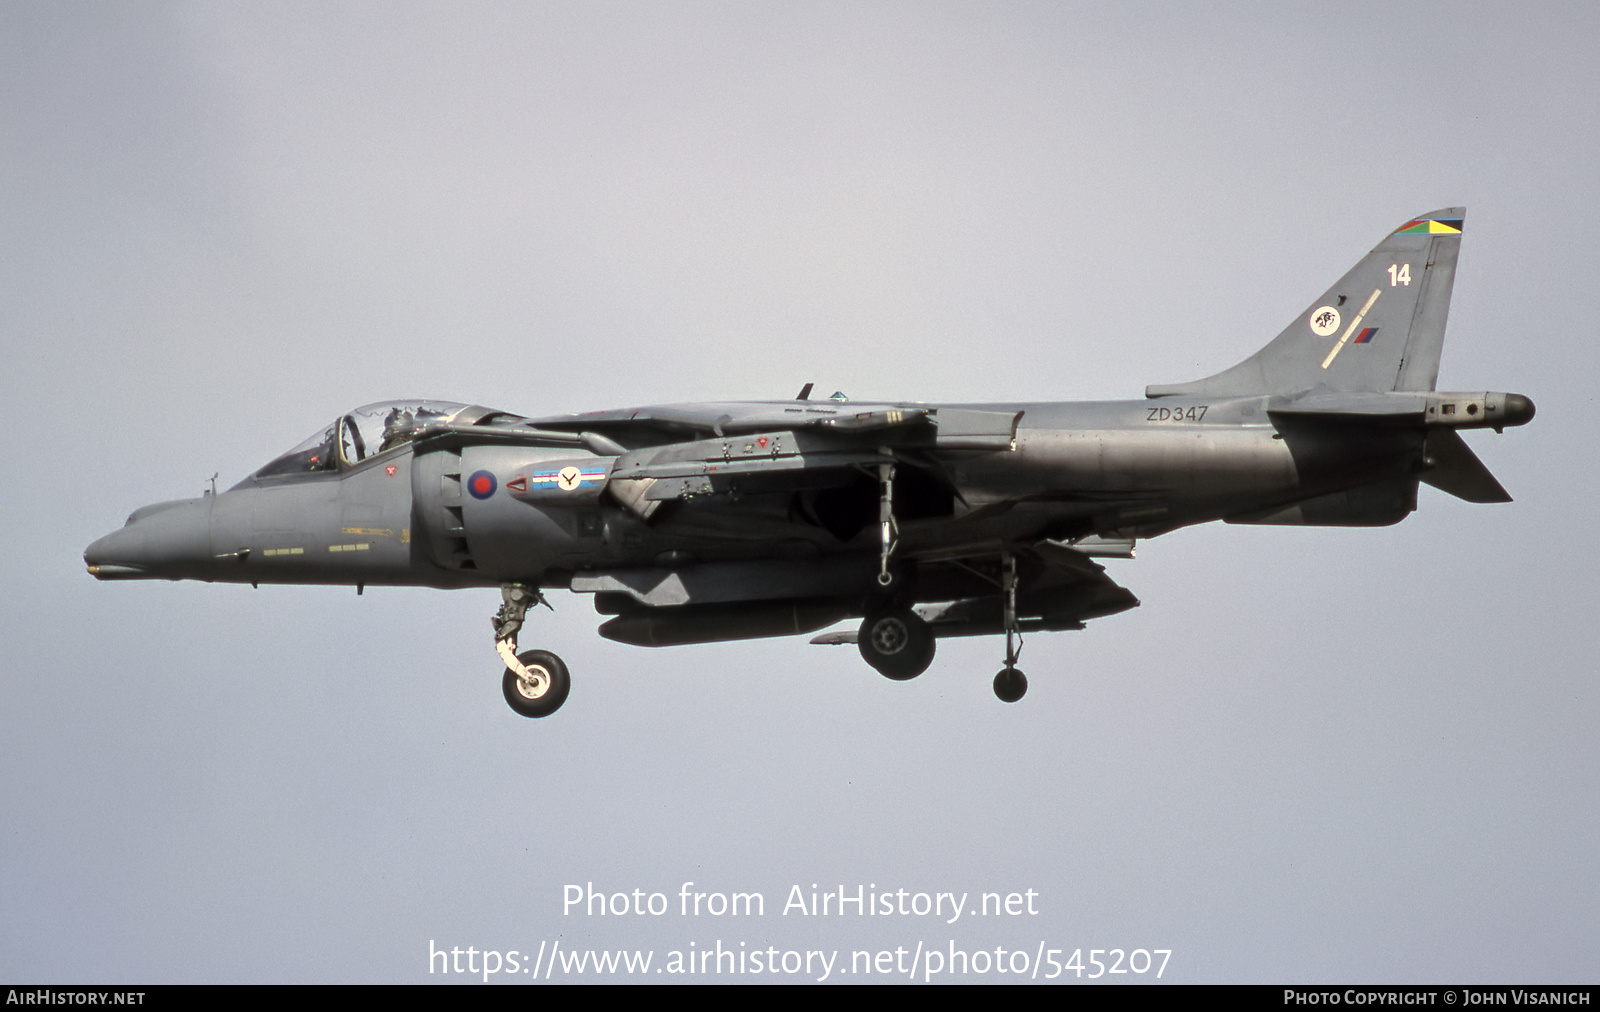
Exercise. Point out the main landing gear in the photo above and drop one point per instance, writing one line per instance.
(895, 641)
(536, 682)
(898, 643)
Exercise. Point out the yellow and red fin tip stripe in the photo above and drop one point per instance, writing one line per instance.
(1431, 226)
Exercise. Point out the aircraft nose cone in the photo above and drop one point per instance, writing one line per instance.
(170, 542)
(1518, 410)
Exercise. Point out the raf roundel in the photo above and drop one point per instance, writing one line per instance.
(482, 484)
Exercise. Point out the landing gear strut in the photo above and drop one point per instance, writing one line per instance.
(888, 528)
(1010, 684)
(536, 682)
(895, 641)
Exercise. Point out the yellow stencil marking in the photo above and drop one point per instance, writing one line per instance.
(1353, 325)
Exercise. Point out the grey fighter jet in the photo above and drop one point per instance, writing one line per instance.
(702, 522)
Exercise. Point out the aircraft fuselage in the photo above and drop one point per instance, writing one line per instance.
(1116, 469)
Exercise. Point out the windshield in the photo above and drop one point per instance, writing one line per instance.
(365, 432)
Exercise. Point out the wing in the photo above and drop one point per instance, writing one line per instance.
(1072, 588)
(676, 452)
(947, 427)
(1059, 587)
(676, 422)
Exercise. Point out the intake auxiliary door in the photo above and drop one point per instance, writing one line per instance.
(436, 495)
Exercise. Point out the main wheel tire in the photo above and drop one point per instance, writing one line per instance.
(898, 644)
(546, 702)
(1010, 685)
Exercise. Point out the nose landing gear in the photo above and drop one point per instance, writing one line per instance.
(536, 682)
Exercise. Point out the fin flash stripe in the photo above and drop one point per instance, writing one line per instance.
(1353, 325)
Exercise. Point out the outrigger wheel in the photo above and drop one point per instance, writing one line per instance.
(543, 693)
(1010, 684)
(898, 644)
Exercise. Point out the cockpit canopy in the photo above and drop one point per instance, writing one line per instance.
(361, 434)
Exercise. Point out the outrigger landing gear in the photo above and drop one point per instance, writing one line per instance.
(1010, 684)
(536, 682)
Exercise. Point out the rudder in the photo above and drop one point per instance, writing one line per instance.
(1380, 328)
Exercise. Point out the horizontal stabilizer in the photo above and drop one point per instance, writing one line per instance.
(1457, 470)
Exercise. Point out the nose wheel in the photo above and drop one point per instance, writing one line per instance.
(536, 682)
(543, 689)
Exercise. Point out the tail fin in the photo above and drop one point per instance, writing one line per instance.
(1380, 328)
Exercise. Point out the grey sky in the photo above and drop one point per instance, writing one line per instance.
(1312, 755)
